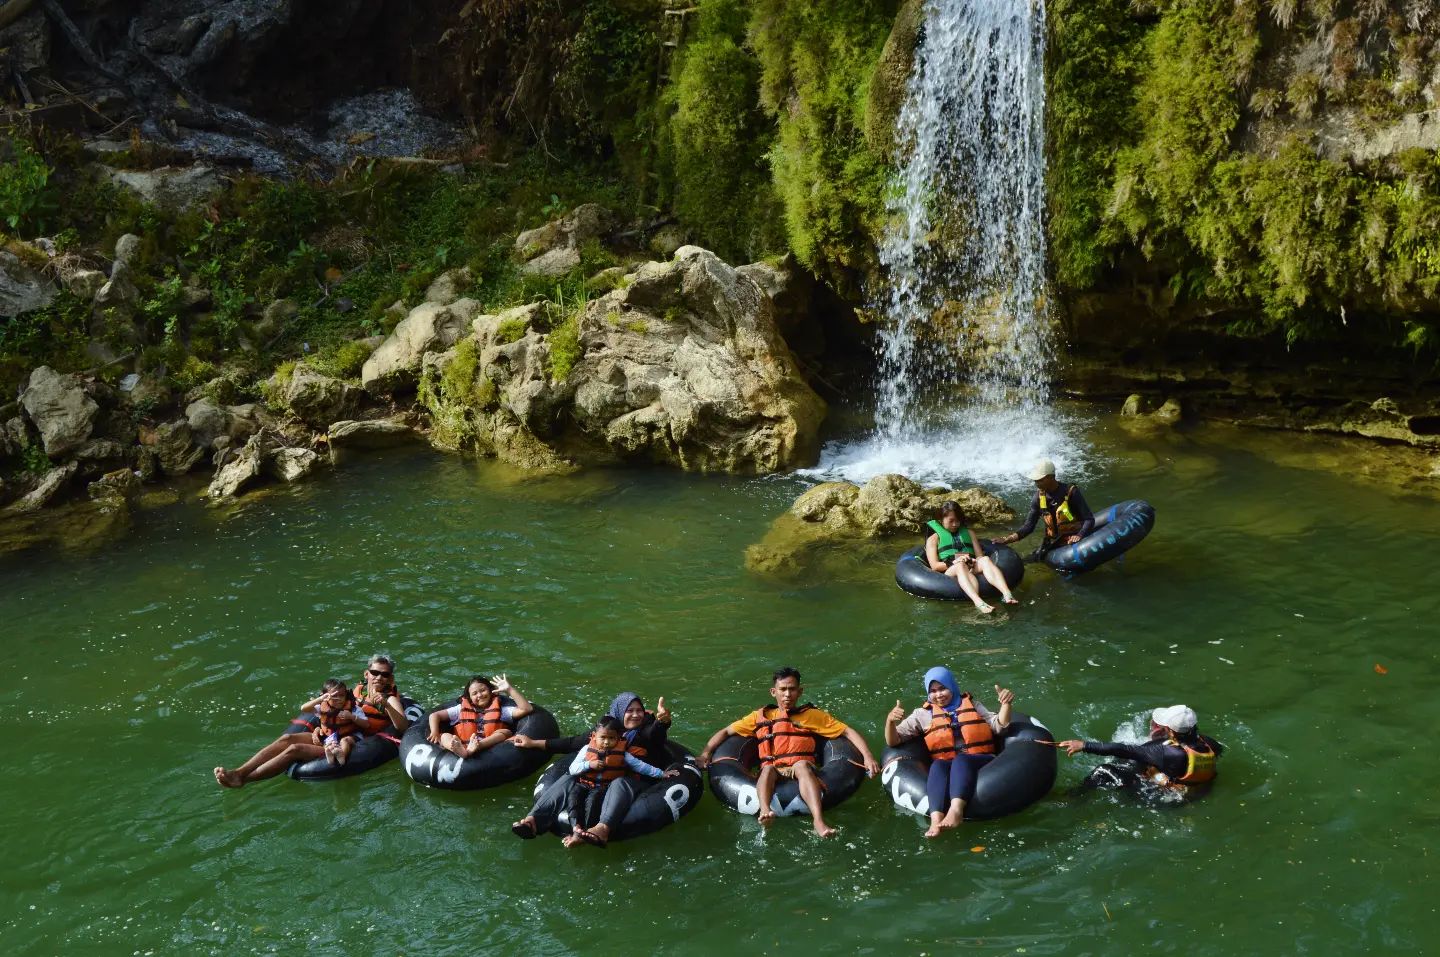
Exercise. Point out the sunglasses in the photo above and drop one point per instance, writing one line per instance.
(379, 674)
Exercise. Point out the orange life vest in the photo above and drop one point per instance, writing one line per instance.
(377, 719)
(963, 732)
(329, 724)
(612, 765)
(473, 721)
(782, 741)
(1199, 766)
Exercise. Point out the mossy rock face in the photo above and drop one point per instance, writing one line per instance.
(891, 79)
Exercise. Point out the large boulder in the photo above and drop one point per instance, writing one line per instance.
(243, 471)
(176, 189)
(22, 289)
(683, 366)
(318, 399)
(430, 327)
(176, 448)
(554, 249)
(838, 522)
(60, 410)
(370, 434)
(50, 488)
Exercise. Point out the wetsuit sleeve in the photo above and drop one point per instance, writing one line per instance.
(641, 767)
(1155, 754)
(1030, 519)
(1081, 509)
(655, 737)
(821, 723)
(576, 742)
(745, 727)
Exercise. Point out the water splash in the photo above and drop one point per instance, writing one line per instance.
(966, 342)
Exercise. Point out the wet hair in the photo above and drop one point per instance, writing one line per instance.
(379, 659)
(607, 723)
(335, 684)
(952, 507)
(782, 673)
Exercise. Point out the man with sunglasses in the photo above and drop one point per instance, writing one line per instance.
(380, 712)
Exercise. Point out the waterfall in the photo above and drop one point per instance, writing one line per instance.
(965, 342)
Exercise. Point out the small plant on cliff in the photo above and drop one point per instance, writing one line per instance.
(26, 194)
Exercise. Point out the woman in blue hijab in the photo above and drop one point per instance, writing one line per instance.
(647, 736)
(960, 735)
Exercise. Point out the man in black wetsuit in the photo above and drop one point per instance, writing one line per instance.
(1066, 514)
(1177, 757)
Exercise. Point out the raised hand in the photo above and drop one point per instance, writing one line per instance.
(897, 713)
(502, 684)
(1005, 695)
(662, 713)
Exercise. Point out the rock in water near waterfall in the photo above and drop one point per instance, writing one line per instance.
(60, 410)
(292, 465)
(852, 524)
(319, 399)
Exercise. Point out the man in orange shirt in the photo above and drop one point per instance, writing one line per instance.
(789, 739)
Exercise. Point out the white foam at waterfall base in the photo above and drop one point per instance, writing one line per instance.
(993, 447)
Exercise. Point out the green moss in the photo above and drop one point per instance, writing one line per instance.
(342, 360)
(565, 347)
(511, 330)
(458, 397)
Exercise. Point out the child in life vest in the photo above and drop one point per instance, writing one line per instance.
(960, 735)
(339, 727)
(596, 766)
(479, 719)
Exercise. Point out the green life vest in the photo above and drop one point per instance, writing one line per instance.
(950, 545)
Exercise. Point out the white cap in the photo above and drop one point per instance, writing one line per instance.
(1176, 718)
(1041, 469)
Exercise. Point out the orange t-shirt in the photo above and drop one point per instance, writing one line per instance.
(817, 722)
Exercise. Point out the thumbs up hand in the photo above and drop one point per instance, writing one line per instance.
(1005, 695)
(662, 713)
(897, 713)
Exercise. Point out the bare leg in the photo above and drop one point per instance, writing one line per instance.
(346, 746)
(995, 577)
(814, 797)
(765, 791)
(281, 761)
(245, 772)
(966, 579)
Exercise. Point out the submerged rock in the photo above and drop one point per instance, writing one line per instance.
(840, 520)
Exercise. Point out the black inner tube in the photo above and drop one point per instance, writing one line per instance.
(736, 763)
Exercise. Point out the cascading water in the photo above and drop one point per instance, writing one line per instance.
(965, 346)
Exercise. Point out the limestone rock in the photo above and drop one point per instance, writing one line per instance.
(122, 483)
(1139, 412)
(244, 471)
(49, 489)
(554, 249)
(171, 188)
(556, 262)
(175, 446)
(101, 456)
(60, 410)
(889, 83)
(291, 464)
(84, 284)
(838, 521)
(120, 292)
(318, 399)
(429, 327)
(449, 286)
(22, 289)
(127, 249)
(371, 434)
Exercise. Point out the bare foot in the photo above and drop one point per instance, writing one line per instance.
(601, 831)
(949, 822)
(933, 830)
(823, 830)
(341, 757)
(228, 779)
(765, 817)
(571, 840)
(1011, 600)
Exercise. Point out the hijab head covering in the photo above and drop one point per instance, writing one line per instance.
(947, 679)
(617, 711)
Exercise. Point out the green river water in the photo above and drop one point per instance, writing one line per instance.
(1265, 598)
